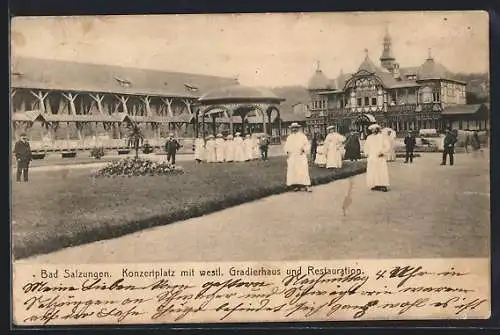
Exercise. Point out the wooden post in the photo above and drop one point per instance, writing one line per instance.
(41, 97)
(123, 100)
(168, 102)
(188, 105)
(147, 101)
(71, 98)
(98, 99)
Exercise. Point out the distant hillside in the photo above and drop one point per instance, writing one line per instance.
(293, 95)
(478, 88)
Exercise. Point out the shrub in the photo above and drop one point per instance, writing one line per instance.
(137, 167)
(97, 152)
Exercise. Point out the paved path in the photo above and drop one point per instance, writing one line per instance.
(431, 211)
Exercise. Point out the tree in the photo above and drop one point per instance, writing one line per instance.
(135, 136)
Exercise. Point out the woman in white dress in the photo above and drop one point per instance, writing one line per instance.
(248, 144)
(320, 160)
(210, 149)
(199, 149)
(334, 147)
(219, 148)
(229, 149)
(239, 150)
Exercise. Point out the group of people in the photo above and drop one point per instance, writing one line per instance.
(334, 148)
(378, 149)
(217, 149)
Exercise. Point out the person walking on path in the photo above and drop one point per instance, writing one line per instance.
(410, 143)
(334, 146)
(352, 146)
(449, 146)
(22, 151)
(376, 148)
(264, 147)
(475, 144)
(172, 145)
(296, 148)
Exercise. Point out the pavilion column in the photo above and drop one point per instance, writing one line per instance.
(242, 124)
(71, 99)
(188, 105)
(98, 99)
(168, 102)
(123, 101)
(231, 126)
(147, 104)
(41, 97)
(214, 130)
(270, 124)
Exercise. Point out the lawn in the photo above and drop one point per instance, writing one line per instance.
(59, 209)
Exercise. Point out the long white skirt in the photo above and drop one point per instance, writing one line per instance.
(377, 173)
(219, 154)
(334, 158)
(199, 153)
(297, 172)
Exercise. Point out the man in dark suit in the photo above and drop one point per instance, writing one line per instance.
(22, 151)
(410, 143)
(449, 146)
(171, 147)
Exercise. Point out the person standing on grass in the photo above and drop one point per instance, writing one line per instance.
(264, 147)
(255, 148)
(410, 143)
(376, 149)
(211, 154)
(172, 145)
(296, 148)
(239, 148)
(247, 144)
(333, 145)
(391, 157)
(219, 148)
(352, 146)
(199, 149)
(22, 151)
(449, 146)
(229, 148)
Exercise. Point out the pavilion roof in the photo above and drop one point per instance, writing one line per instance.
(48, 74)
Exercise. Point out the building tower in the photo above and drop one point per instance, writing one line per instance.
(387, 60)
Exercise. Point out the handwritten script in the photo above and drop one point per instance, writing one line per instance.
(161, 293)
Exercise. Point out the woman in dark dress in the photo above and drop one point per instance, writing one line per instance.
(352, 146)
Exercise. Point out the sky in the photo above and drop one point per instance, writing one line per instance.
(259, 49)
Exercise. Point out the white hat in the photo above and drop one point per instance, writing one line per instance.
(210, 136)
(295, 125)
(237, 134)
(373, 126)
(330, 127)
(229, 136)
(219, 135)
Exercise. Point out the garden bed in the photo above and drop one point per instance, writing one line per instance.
(82, 209)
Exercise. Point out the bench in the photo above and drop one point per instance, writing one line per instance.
(123, 151)
(68, 154)
(38, 155)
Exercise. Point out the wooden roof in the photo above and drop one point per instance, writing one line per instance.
(49, 74)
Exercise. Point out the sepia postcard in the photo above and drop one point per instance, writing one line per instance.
(233, 168)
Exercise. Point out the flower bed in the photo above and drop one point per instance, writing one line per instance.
(137, 167)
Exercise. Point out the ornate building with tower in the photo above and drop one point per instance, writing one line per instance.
(402, 98)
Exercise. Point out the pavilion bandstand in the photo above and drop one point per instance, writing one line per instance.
(239, 108)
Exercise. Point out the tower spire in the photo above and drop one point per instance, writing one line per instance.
(429, 55)
(318, 69)
(387, 60)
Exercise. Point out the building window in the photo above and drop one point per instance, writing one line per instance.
(360, 101)
(367, 101)
(374, 101)
(435, 96)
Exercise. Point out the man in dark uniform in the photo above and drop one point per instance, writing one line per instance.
(410, 143)
(22, 151)
(171, 147)
(314, 148)
(449, 146)
(264, 147)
